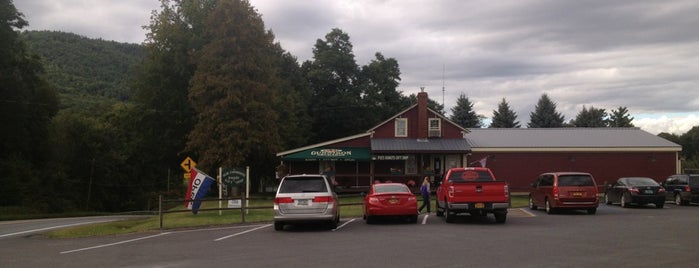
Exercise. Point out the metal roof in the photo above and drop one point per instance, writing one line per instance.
(415, 145)
(590, 138)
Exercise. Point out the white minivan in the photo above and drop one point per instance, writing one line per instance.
(305, 198)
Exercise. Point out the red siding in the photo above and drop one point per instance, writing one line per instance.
(387, 130)
(520, 169)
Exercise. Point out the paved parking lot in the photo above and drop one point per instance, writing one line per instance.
(634, 237)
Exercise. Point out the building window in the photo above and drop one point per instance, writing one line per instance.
(401, 127)
(435, 128)
(411, 165)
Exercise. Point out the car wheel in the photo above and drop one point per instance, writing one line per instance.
(624, 200)
(548, 207)
(500, 217)
(278, 226)
(606, 199)
(591, 211)
(413, 218)
(332, 224)
(659, 205)
(439, 211)
(678, 200)
(448, 215)
(531, 203)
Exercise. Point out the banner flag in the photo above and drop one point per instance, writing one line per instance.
(198, 186)
(483, 161)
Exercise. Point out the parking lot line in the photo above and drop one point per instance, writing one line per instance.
(527, 212)
(424, 219)
(243, 232)
(114, 244)
(343, 225)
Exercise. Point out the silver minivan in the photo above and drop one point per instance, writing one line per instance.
(305, 198)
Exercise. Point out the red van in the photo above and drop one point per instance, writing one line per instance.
(564, 190)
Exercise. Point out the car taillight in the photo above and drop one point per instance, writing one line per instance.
(507, 190)
(451, 191)
(634, 190)
(323, 199)
(412, 198)
(373, 200)
(282, 200)
(555, 192)
(661, 190)
(687, 188)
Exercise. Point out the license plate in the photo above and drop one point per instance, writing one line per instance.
(577, 194)
(302, 202)
(393, 201)
(648, 191)
(479, 205)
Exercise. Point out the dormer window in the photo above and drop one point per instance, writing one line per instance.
(401, 125)
(435, 128)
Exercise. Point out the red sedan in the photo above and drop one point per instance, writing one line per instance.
(390, 199)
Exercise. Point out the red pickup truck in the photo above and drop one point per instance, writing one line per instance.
(472, 190)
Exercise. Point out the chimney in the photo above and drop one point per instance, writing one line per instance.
(422, 114)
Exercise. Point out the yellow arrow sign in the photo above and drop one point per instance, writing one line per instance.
(188, 164)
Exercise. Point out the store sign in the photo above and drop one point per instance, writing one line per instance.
(389, 157)
(331, 154)
(233, 176)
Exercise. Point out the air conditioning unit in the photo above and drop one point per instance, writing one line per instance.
(434, 133)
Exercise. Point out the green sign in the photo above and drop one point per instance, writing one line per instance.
(331, 154)
(233, 176)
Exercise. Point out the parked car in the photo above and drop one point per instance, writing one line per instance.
(635, 190)
(682, 188)
(390, 199)
(305, 198)
(564, 190)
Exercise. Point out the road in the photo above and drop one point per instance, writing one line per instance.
(632, 237)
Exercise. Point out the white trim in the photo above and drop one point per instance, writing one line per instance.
(324, 143)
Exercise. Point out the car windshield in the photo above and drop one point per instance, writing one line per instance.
(303, 185)
(642, 182)
(575, 180)
(391, 189)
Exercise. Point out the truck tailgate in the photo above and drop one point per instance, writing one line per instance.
(467, 192)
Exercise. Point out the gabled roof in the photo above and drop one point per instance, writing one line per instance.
(567, 139)
(414, 106)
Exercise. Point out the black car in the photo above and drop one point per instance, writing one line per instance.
(682, 188)
(635, 190)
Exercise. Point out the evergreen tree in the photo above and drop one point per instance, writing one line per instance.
(27, 104)
(545, 114)
(592, 117)
(504, 117)
(464, 115)
(231, 89)
(620, 118)
(333, 75)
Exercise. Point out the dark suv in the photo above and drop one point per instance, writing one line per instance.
(682, 188)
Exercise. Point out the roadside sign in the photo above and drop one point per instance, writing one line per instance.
(188, 164)
(233, 176)
(187, 176)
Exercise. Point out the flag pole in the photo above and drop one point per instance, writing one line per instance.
(247, 187)
(220, 189)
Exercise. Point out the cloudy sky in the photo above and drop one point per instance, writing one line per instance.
(643, 55)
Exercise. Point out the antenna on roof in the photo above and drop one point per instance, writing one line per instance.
(442, 84)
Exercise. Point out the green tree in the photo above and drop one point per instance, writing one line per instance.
(504, 116)
(620, 118)
(464, 115)
(381, 99)
(231, 89)
(27, 104)
(592, 117)
(333, 75)
(545, 114)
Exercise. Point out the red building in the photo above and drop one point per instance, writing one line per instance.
(419, 142)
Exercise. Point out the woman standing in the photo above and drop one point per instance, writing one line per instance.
(425, 191)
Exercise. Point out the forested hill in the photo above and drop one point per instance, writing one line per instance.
(84, 71)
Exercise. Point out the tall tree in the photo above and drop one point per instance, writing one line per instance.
(504, 116)
(231, 89)
(464, 115)
(27, 104)
(592, 117)
(545, 114)
(381, 99)
(333, 75)
(620, 118)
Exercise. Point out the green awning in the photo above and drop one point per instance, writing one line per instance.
(331, 154)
